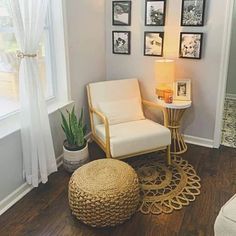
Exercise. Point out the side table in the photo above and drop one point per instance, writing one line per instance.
(175, 113)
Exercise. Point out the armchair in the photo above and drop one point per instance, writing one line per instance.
(118, 123)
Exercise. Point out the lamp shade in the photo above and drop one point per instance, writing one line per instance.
(164, 72)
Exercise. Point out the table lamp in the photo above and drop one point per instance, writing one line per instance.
(164, 75)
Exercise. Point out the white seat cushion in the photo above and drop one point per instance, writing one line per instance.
(226, 220)
(135, 136)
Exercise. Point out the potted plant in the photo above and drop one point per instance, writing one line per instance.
(75, 146)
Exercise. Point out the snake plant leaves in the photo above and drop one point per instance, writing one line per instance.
(66, 128)
(74, 129)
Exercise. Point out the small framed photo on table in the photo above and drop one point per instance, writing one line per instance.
(192, 12)
(190, 45)
(153, 44)
(155, 11)
(182, 90)
(121, 42)
(121, 13)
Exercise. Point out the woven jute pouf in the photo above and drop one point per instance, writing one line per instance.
(104, 192)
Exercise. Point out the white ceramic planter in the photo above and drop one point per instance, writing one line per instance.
(74, 159)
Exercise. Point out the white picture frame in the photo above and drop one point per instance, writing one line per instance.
(182, 90)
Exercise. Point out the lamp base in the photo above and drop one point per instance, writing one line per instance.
(160, 93)
(165, 94)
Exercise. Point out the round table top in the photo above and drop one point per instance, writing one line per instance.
(175, 105)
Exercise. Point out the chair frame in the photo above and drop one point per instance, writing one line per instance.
(106, 145)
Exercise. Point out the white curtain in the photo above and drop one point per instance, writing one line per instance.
(38, 153)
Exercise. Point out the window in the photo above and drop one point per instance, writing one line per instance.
(9, 64)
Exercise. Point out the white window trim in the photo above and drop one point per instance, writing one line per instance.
(10, 123)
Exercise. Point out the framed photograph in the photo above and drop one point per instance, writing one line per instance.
(190, 45)
(182, 90)
(121, 13)
(153, 44)
(192, 13)
(155, 11)
(121, 42)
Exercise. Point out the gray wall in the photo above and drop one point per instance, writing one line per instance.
(231, 82)
(86, 38)
(11, 165)
(204, 73)
(86, 34)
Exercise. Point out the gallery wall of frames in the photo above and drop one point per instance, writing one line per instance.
(190, 43)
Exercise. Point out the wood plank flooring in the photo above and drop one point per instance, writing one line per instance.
(44, 211)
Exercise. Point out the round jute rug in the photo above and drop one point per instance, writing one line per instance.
(163, 188)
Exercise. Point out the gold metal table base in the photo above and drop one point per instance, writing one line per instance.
(178, 146)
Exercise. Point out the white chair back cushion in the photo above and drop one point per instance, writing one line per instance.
(122, 111)
(119, 100)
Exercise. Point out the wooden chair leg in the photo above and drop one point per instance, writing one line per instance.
(168, 155)
(108, 155)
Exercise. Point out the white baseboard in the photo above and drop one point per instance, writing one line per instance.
(19, 193)
(14, 197)
(59, 160)
(199, 141)
(231, 96)
(88, 136)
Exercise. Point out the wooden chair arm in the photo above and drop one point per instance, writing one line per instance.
(106, 125)
(156, 106)
(100, 114)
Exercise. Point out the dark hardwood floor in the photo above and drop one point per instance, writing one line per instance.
(44, 211)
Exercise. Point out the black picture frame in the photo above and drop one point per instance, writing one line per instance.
(153, 19)
(120, 8)
(121, 41)
(192, 14)
(151, 47)
(190, 46)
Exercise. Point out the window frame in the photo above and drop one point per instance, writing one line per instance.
(50, 71)
(10, 122)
